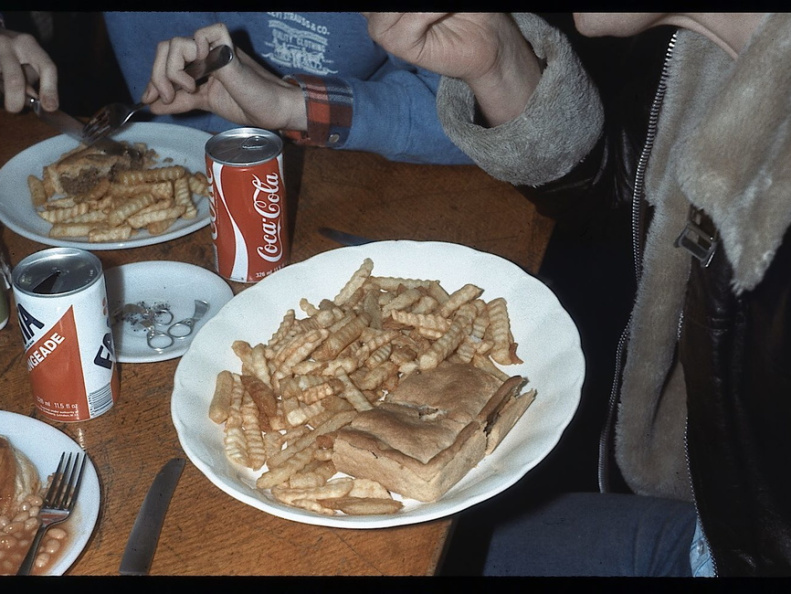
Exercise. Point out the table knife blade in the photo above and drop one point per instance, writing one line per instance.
(143, 538)
(342, 237)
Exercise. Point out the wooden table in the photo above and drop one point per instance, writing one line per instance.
(206, 532)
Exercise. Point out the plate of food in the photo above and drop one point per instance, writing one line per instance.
(31, 451)
(179, 297)
(445, 374)
(62, 195)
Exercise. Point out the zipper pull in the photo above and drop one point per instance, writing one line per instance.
(696, 239)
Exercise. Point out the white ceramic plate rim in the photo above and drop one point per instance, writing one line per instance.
(43, 444)
(176, 283)
(181, 144)
(549, 344)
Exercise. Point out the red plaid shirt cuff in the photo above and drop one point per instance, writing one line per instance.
(329, 110)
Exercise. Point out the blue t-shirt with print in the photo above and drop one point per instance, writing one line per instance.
(394, 102)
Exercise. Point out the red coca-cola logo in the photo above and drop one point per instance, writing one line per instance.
(267, 202)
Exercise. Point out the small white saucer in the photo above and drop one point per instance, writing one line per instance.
(175, 285)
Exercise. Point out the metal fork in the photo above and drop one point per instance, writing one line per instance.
(111, 117)
(58, 502)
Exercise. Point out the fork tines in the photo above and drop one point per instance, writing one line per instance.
(62, 492)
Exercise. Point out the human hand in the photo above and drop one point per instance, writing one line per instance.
(21, 54)
(243, 91)
(485, 50)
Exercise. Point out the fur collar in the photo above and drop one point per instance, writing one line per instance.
(738, 168)
(723, 144)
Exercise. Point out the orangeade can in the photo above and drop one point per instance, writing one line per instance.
(249, 225)
(61, 304)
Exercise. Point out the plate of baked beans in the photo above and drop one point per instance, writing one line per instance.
(32, 451)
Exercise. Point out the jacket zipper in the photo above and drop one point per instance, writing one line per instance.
(638, 194)
(637, 197)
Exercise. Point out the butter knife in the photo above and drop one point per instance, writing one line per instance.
(71, 126)
(144, 536)
(342, 237)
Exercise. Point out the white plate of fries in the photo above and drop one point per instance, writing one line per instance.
(174, 145)
(43, 444)
(548, 346)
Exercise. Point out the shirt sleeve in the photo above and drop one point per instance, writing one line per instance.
(328, 103)
(393, 113)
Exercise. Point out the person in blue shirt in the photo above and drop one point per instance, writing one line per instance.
(339, 88)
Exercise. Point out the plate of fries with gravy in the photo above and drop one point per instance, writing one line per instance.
(60, 193)
(380, 385)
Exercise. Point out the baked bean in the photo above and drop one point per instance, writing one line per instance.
(35, 500)
(31, 524)
(4, 522)
(14, 527)
(21, 517)
(57, 533)
(42, 560)
(7, 567)
(8, 542)
(51, 546)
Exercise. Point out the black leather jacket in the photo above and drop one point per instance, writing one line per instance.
(735, 350)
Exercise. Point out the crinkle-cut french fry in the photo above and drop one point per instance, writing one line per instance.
(129, 207)
(234, 440)
(402, 301)
(364, 487)
(183, 196)
(65, 202)
(341, 338)
(92, 216)
(466, 293)
(352, 393)
(504, 350)
(315, 474)
(425, 305)
(263, 396)
(426, 321)
(339, 487)
(392, 283)
(159, 227)
(61, 215)
(119, 233)
(362, 506)
(156, 174)
(199, 184)
(251, 427)
(279, 473)
(377, 376)
(220, 405)
(438, 292)
(38, 194)
(379, 356)
(140, 220)
(63, 230)
(355, 282)
(285, 324)
(298, 350)
(444, 345)
(243, 351)
(259, 364)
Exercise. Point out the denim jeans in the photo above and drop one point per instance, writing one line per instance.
(594, 534)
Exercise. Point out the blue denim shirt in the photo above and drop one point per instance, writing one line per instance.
(699, 555)
(393, 102)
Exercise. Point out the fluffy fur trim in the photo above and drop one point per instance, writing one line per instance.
(559, 126)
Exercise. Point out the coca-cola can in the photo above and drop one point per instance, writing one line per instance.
(247, 207)
(62, 308)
